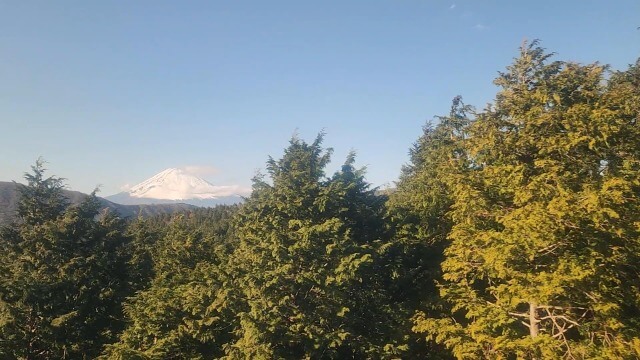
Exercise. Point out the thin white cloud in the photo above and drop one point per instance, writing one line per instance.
(125, 187)
(200, 170)
(217, 190)
(229, 190)
(480, 27)
(453, 6)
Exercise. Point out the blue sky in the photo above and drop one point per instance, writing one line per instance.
(112, 92)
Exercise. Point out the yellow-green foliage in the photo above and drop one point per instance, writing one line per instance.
(514, 233)
(542, 260)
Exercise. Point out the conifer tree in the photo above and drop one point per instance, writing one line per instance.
(419, 216)
(304, 261)
(42, 198)
(545, 231)
(184, 311)
(61, 275)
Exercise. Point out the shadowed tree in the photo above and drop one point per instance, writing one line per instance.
(62, 275)
(419, 216)
(184, 312)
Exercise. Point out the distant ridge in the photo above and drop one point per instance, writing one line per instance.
(9, 197)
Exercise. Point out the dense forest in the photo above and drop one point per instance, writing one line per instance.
(513, 232)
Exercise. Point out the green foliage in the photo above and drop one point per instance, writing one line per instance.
(306, 262)
(544, 244)
(514, 232)
(42, 198)
(183, 312)
(61, 276)
(419, 216)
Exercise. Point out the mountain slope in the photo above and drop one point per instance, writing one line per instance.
(9, 197)
(175, 185)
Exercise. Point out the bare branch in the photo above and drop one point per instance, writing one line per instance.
(519, 314)
(561, 307)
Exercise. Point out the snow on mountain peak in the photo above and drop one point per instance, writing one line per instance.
(176, 184)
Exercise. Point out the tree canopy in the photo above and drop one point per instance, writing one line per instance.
(305, 261)
(61, 275)
(544, 243)
(513, 232)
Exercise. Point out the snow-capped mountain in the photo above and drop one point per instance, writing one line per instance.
(176, 185)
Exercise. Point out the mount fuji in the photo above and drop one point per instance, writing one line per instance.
(177, 186)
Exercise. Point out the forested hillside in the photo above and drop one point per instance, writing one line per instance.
(10, 195)
(512, 233)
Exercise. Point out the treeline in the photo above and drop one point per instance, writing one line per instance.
(514, 232)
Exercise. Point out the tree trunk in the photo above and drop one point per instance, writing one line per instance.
(533, 319)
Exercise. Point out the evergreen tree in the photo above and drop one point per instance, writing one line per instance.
(305, 262)
(42, 198)
(184, 312)
(143, 236)
(61, 275)
(545, 238)
(419, 216)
